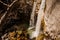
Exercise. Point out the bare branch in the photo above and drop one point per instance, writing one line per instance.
(3, 3)
(7, 10)
(12, 3)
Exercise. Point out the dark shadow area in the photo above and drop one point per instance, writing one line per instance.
(18, 14)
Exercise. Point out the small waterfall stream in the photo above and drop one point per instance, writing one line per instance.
(32, 15)
(39, 18)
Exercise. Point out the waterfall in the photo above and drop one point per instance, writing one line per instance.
(32, 14)
(39, 18)
(31, 26)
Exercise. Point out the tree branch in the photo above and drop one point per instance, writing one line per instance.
(7, 10)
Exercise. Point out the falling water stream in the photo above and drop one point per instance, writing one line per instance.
(39, 18)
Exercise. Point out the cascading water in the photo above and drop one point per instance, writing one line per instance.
(39, 18)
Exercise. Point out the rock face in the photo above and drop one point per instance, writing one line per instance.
(52, 17)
